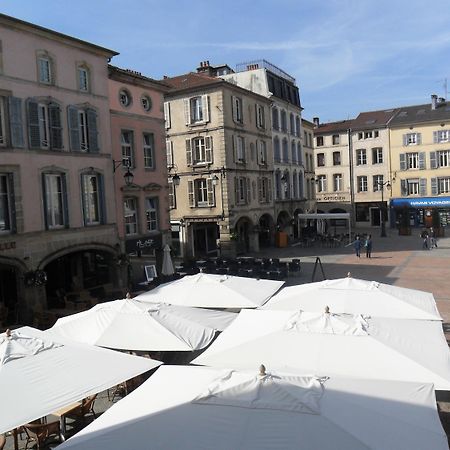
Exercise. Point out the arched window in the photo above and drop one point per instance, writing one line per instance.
(46, 68)
(294, 152)
(299, 153)
(297, 126)
(300, 185)
(285, 150)
(292, 123)
(283, 121)
(294, 185)
(276, 149)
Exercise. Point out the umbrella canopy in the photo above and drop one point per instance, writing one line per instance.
(167, 265)
(354, 296)
(334, 344)
(214, 291)
(39, 375)
(131, 325)
(195, 408)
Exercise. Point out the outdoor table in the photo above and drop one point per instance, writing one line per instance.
(61, 413)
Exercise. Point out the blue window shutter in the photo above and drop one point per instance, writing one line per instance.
(33, 124)
(102, 198)
(65, 200)
(12, 203)
(433, 160)
(56, 139)
(44, 200)
(423, 186)
(404, 187)
(434, 186)
(91, 118)
(422, 160)
(74, 128)
(435, 137)
(16, 122)
(402, 161)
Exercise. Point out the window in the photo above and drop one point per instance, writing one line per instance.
(299, 153)
(321, 183)
(83, 79)
(199, 150)
(297, 127)
(45, 69)
(6, 203)
(262, 153)
(444, 185)
(376, 133)
(335, 139)
(83, 133)
(3, 140)
(413, 187)
(197, 110)
(412, 160)
(292, 123)
(285, 150)
(242, 190)
(172, 195)
(260, 117)
(151, 213)
(126, 141)
(276, 149)
(275, 119)
(378, 183)
(362, 183)
(239, 148)
(283, 120)
(264, 189)
(415, 160)
(377, 155)
(201, 192)
(44, 125)
(124, 98)
(412, 139)
(361, 157)
(146, 102)
(294, 152)
(320, 159)
(55, 200)
(337, 182)
(91, 185)
(368, 135)
(444, 158)
(360, 136)
(131, 216)
(319, 141)
(148, 145)
(237, 109)
(336, 158)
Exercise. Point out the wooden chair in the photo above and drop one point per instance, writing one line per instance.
(39, 433)
(2, 441)
(86, 408)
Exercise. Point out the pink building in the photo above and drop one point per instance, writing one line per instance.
(58, 234)
(138, 148)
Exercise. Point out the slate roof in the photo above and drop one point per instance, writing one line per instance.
(330, 127)
(373, 119)
(420, 114)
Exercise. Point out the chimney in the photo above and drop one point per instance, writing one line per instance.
(434, 101)
(205, 68)
(441, 100)
(316, 121)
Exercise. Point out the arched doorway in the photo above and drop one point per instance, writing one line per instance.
(9, 293)
(266, 230)
(283, 220)
(242, 230)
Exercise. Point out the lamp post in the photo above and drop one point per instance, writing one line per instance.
(128, 176)
(382, 224)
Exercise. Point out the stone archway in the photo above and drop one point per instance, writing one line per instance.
(243, 230)
(266, 230)
(283, 220)
(12, 290)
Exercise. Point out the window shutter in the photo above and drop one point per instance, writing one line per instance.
(44, 201)
(65, 200)
(269, 189)
(167, 115)
(33, 124)
(435, 137)
(423, 186)
(209, 149)
(205, 106)
(188, 152)
(325, 185)
(235, 149)
(102, 198)
(169, 154)
(258, 124)
(210, 191)
(248, 197)
(74, 128)
(12, 203)
(419, 138)
(16, 122)
(300, 185)
(172, 199)
(187, 111)
(56, 139)
(259, 157)
(191, 194)
(421, 160)
(434, 186)
(91, 118)
(402, 161)
(233, 108)
(405, 139)
(83, 200)
(244, 156)
(260, 196)
(236, 190)
(433, 160)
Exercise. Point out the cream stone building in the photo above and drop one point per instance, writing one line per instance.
(219, 156)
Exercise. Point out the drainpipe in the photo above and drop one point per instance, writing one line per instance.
(352, 189)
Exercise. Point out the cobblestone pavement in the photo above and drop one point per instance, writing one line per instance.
(397, 260)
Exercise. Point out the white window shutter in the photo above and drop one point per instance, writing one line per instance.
(402, 161)
(433, 160)
(169, 153)
(172, 200)
(233, 108)
(205, 106)
(419, 138)
(210, 190)
(167, 114)
(188, 152)
(191, 193)
(435, 137)
(405, 139)
(404, 187)
(187, 111)
(209, 149)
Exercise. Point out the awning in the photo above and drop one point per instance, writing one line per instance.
(422, 202)
(324, 216)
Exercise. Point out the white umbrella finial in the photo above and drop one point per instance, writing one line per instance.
(327, 310)
(8, 333)
(262, 370)
(128, 295)
(349, 274)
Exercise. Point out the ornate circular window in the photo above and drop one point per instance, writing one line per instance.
(124, 97)
(146, 102)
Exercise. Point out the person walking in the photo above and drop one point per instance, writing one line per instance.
(357, 246)
(433, 238)
(424, 236)
(368, 246)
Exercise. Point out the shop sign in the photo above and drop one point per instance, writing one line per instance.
(421, 202)
(7, 246)
(143, 244)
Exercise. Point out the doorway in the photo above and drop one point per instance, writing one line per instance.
(375, 217)
(205, 239)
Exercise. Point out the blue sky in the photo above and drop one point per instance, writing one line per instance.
(346, 55)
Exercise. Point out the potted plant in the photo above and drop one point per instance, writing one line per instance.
(403, 227)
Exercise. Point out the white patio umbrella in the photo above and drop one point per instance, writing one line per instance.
(39, 375)
(355, 296)
(131, 325)
(334, 344)
(167, 265)
(214, 291)
(193, 408)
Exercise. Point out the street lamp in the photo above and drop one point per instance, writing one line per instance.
(381, 185)
(128, 176)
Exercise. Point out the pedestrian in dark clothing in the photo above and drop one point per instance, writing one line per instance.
(368, 246)
(357, 246)
(433, 238)
(424, 236)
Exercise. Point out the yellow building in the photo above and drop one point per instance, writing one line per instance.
(420, 165)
